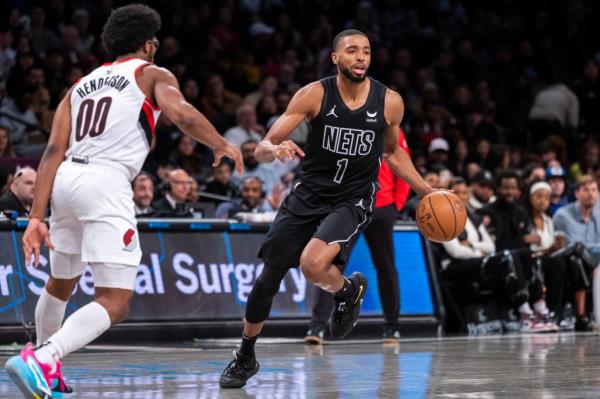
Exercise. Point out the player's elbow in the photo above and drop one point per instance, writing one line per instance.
(181, 116)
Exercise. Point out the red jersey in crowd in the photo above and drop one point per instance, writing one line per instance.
(393, 189)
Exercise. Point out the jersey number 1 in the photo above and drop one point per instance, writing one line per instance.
(91, 117)
(342, 164)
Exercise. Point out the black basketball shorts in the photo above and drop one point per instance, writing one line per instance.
(304, 215)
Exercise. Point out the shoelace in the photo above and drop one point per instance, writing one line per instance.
(236, 364)
(341, 311)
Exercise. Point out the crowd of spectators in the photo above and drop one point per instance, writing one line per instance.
(488, 87)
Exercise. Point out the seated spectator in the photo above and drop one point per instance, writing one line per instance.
(533, 172)
(19, 197)
(557, 178)
(587, 161)
(174, 204)
(6, 150)
(193, 158)
(21, 109)
(194, 194)
(470, 259)
(482, 190)
(253, 200)
(510, 227)
(544, 242)
(439, 152)
(221, 184)
(247, 128)
(580, 223)
(264, 171)
(143, 194)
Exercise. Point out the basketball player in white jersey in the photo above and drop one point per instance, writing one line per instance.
(101, 134)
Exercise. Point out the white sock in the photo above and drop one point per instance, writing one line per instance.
(49, 315)
(541, 307)
(81, 328)
(525, 309)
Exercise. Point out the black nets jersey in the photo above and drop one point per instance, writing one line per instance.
(344, 147)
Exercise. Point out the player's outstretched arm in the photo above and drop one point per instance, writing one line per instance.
(305, 104)
(189, 119)
(397, 159)
(54, 154)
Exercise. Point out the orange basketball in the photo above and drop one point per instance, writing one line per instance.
(441, 216)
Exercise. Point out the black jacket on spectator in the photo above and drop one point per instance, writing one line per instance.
(509, 223)
(10, 202)
(163, 209)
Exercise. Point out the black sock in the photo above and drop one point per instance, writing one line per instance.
(247, 346)
(346, 292)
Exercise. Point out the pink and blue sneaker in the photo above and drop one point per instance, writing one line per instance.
(60, 389)
(32, 376)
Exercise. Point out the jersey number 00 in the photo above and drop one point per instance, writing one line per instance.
(91, 118)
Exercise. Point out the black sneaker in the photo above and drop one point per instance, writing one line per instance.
(315, 333)
(583, 323)
(345, 313)
(391, 334)
(238, 371)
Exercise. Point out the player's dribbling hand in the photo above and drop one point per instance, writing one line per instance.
(36, 232)
(287, 150)
(230, 151)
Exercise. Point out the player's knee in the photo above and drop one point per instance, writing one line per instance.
(61, 288)
(312, 268)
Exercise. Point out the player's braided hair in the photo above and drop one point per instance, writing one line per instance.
(128, 28)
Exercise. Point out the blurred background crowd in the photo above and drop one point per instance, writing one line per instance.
(499, 97)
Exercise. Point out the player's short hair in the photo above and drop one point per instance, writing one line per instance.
(128, 28)
(343, 34)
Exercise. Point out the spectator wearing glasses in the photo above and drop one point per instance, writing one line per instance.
(19, 197)
(174, 204)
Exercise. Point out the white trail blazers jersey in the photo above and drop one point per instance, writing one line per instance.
(111, 118)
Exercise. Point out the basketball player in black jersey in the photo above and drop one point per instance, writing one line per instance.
(354, 122)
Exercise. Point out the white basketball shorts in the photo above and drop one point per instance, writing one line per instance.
(93, 214)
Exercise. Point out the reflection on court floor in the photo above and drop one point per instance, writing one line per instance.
(528, 366)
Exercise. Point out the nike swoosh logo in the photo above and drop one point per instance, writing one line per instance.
(372, 115)
(360, 290)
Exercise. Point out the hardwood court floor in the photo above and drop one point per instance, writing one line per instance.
(516, 366)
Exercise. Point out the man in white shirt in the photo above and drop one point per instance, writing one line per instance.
(247, 128)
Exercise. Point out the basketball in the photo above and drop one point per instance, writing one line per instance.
(441, 216)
